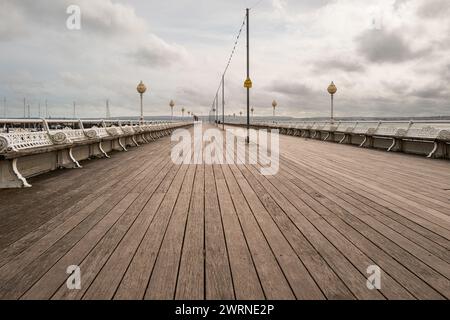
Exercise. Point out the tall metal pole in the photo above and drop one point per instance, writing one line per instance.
(46, 109)
(248, 75)
(108, 111)
(142, 109)
(332, 107)
(74, 110)
(217, 109)
(24, 108)
(223, 102)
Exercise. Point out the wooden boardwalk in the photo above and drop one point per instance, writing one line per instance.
(141, 227)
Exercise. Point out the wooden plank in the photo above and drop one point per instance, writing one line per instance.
(190, 285)
(420, 269)
(283, 211)
(272, 279)
(51, 191)
(245, 277)
(16, 286)
(331, 285)
(19, 280)
(397, 186)
(44, 208)
(163, 280)
(218, 281)
(108, 279)
(349, 263)
(403, 216)
(98, 209)
(400, 234)
(299, 278)
(92, 251)
(386, 262)
(135, 280)
(409, 212)
(113, 181)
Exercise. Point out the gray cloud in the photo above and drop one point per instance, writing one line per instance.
(382, 46)
(399, 3)
(339, 64)
(292, 89)
(431, 9)
(157, 53)
(432, 92)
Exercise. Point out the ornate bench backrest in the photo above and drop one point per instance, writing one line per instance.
(318, 126)
(429, 131)
(392, 129)
(329, 126)
(365, 127)
(75, 135)
(21, 140)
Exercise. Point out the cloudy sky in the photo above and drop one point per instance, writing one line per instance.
(387, 57)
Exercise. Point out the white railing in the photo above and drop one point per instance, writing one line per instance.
(21, 134)
(50, 144)
(408, 136)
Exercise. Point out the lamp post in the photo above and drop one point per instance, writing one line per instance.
(274, 105)
(248, 82)
(141, 88)
(332, 90)
(108, 112)
(182, 112)
(171, 104)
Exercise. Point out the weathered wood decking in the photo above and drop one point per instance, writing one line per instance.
(141, 227)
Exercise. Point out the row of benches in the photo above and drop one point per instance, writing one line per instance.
(25, 153)
(426, 138)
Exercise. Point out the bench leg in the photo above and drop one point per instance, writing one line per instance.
(343, 139)
(103, 151)
(117, 145)
(10, 177)
(122, 146)
(364, 142)
(397, 145)
(67, 160)
(134, 141)
(143, 138)
(326, 138)
(73, 159)
(439, 150)
(433, 151)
